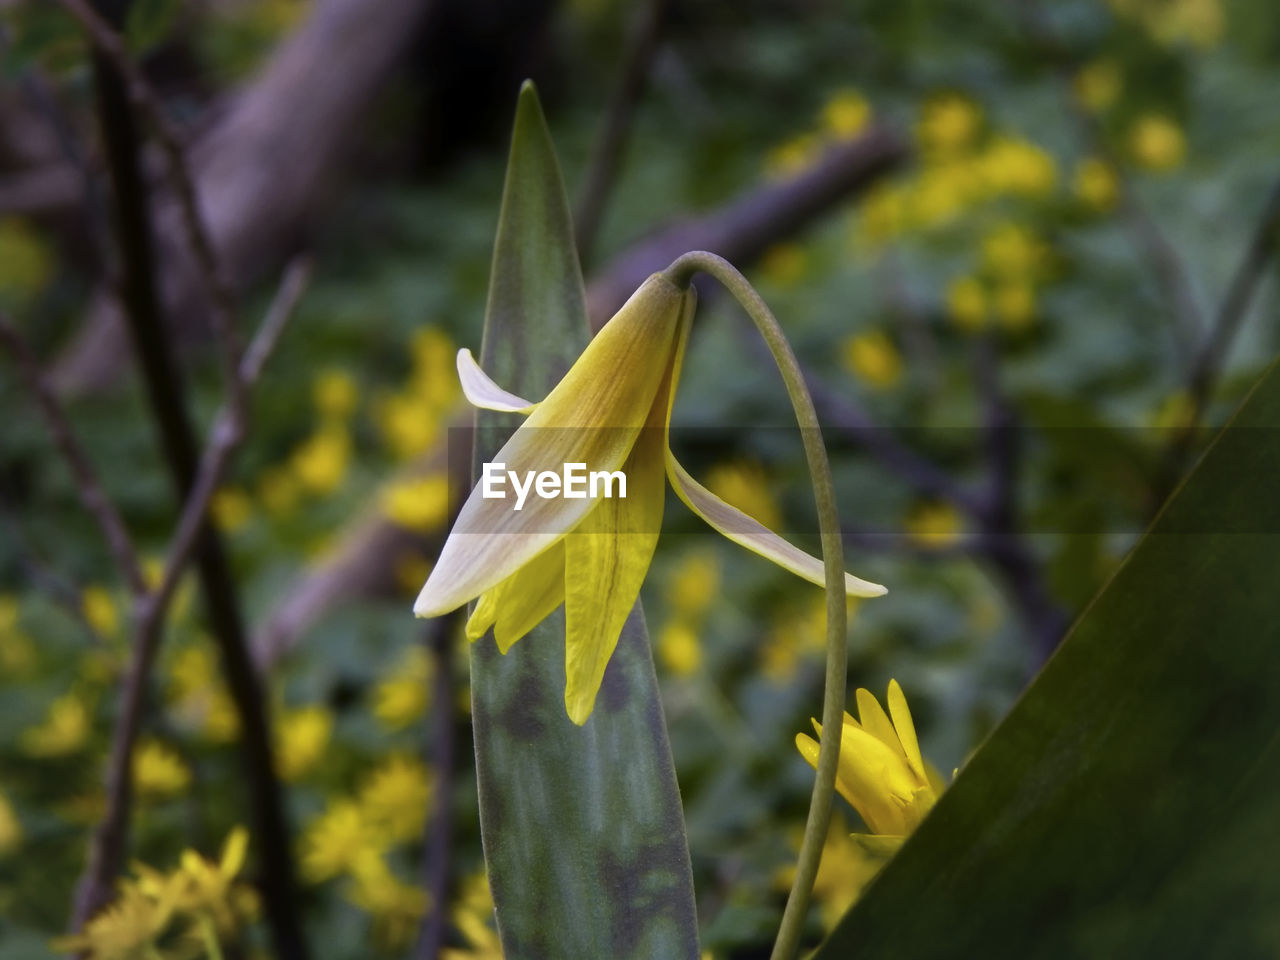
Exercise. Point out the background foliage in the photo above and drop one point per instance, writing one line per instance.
(1081, 182)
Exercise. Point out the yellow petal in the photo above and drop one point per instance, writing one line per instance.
(522, 601)
(607, 557)
(482, 392)
(906, 730)
(749, 533)
(591, 417)
(875, 720)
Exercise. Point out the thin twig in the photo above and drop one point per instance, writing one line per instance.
(88, 488)
(605, 160)
(111, 835)
(110, 45)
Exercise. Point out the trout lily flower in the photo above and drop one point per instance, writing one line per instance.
(611, 412)
(881, 770)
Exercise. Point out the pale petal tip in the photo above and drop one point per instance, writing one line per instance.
(863, 589)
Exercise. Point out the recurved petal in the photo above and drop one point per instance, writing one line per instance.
(482, 392)
(607, 557)
(522, 601)
(592, 417)
(755, 536)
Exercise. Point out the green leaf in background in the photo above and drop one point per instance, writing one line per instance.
(583, 831)
(1128, 804)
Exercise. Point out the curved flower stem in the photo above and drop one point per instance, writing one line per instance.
(681, 273)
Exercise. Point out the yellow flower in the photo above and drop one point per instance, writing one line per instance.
(881, 771)
(10, 828)
(302, 737)
(397, 907)
(25, 260)
(320, 463)
(1097, 85)
(694, 583)
(611, 413)
(408, 424)
(402, 698)
(1017, 167)
(679, 649)
(395, 797)
(100, 611)
(473, 916)
(1096, 184)
(127, 929)
(846, 114)
(334, 394)
(1157, 143)
(17, 652)
(338, 841)
(784, 264)
(1015, 304)
(949, 122)
(794, 157)
(65, 729)
(882, 215)
(231, 508)
(873, 359)
(278, 491)
(967, 303)
(941, 193)
(743, 484)
(1011, 251)
(420, 504)
(432, 381)
(844, 871)
(158, 772)
(934, 524)
(198, 699)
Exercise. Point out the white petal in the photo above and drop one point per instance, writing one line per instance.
(482, 392)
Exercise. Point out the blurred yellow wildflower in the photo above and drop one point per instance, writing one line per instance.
(846, 114)
(472, 914)
(1096, 184)
(1157, 143)
(1097, 85)
(302, 737)
(200, 888)
(881, 771)
(407, 424)
(882, 216)
(402, 698)
(794, 634)
(679, 648)
(941, 193)
(934, 524)
(198, 699)
(127, 929)
(1012, 252)
(397, 907)
(1171, 22)
(433, 381)
(694, 583)
(158, 772)
(793, 157)
(334, 394)
(784, 264)
(100, 610)
(967, 303)
(338, 841)
(64, 730)
(743, 484)
(411, 571)
(1018, 167)
(1015, 304)
(17, 651)
(949, 123)
(844, 870)
(395, 797)
(25, 260)
(320, 462)
(873, 359)
(10, 827)
(1174, 412)
(420, 504)
(231, 509)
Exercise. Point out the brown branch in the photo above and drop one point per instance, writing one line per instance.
(110, 838)
(217, 291)
(605, 160)
(88, 488)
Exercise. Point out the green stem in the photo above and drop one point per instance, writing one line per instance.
(209, 934)
(815, 831)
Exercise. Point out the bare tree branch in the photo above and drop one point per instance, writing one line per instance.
(88, 488)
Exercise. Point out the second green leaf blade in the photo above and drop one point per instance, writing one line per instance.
(583, 830)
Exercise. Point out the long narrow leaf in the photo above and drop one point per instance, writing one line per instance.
(583, 830)
(1128, 806)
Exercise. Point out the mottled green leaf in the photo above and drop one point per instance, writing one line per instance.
(1127, 805)
(583, 831)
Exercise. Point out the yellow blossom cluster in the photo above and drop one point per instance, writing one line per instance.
(1195, 23)
(472, 915)
(1014, 262)
(845, 115)
(63, 732)
(197, 699)
(17, 651)
(26, 262)
(402, 698)
(694, 586)
(934, 524)
(158, 772)
(413, 418)
(356, 837)
(873, 358)
(10, 828)
(197, 904)
(797, 633)
(302, 737)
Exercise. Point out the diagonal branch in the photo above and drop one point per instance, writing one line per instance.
(88, 488)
